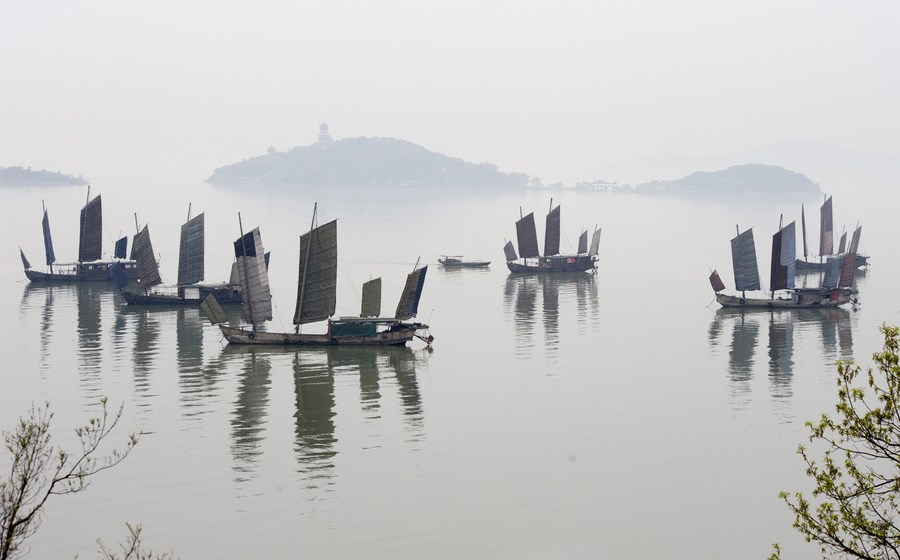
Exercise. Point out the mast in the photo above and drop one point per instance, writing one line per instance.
(305, 258)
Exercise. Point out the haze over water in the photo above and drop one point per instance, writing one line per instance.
(616, 414)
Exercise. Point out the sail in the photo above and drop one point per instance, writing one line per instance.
(826, 234)
(526, 232)
(25, 262)
(190, 254)
(213, 310)
(48, 241)
(235, 277)
(848, 270)
(121, 248)
(803, 224)
(783, 258)
(551, 233)
(254, 279)
(832, 273)
(90, 237)
(371, 299)
(148, 270)
(842, 246)
(117, 273)
(595, 243)
(408, 305)
(510, 252)
(582, 243)
(854, 242)
(743, 257)
(716, 281)
(317, 277)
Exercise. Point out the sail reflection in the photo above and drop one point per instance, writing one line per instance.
(834, 333)
(566, 300)
(314, 416)
(250, 411)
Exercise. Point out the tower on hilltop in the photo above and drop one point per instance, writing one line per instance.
(324, 137)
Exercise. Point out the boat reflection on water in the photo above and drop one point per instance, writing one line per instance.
(556, 301)
(320, 374)
(835, 334)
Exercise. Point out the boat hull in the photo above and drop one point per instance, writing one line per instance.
(397, 334)
(82, 272)
(469, 264)
(800, 299)
(223, 294)
(556, 263)
(806, 266)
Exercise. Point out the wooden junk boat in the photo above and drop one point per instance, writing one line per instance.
(836, 288)
(89, 266)
(316, 298)
(551, 261)
(826, 242)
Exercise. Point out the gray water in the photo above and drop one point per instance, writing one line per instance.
(614, 415)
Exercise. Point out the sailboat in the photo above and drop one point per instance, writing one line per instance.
(836, 289)
(551, 261)
(826, 241)
(316, 298)
(189, 290)
(89, 266)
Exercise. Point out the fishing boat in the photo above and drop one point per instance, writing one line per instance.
(458, 261)
(90, 266)
(826, 242)
(191, 271)
(317, 298)
(530, 259)
(836, 288)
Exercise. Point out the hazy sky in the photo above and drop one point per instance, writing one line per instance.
(113, 89)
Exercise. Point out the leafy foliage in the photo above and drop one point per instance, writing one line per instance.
(853, 509)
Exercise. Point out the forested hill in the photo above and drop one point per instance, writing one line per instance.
(363, 162)
(751, 178)
(21, 177)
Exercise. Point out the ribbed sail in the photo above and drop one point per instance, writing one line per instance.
(25, 262)
(783, 258)
(191, 253)
(148, 270)
(832, 273)
(595, 243)
(408, 305)
(743, 257)
(826, 233)
(121, 248)
(716, 281)
(254, 279)
(48, 241)
(551, 233)
(317, 279)
(582, 243)
(803, 223)
(117, 273)
(213, 310)
(842, 246)
(510, 252)
(854, 242)
(90, 237)
(848, 270)
(371, 299)
(526, 233)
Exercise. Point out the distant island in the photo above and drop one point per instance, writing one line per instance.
(362, 161)
(27, 177)
(751, 178)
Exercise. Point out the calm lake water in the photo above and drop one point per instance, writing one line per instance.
(615, 415)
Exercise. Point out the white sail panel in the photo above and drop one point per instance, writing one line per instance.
(371, 298)
(317, 276)
(191, 251)
(743, 256)
(408, 305)
(213, 310)
(254, 279)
